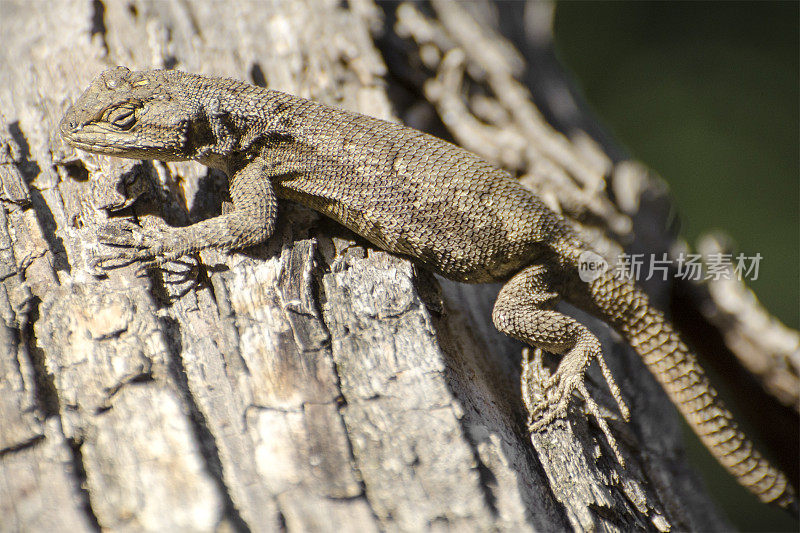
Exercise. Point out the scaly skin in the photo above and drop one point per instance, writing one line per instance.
(408, 193)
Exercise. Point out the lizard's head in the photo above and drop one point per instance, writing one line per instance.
(131, 114)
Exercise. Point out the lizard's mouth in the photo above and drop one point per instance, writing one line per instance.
(105, 139)
(96, 138)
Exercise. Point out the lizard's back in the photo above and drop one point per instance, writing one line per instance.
(410, 193)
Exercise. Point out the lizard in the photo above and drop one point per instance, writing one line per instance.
(412, 194)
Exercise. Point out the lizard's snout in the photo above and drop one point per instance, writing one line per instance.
(68, 125)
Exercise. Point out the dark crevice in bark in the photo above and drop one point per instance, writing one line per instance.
(431, 293)
(98, 21)
(281, 521)
(48, 225)
(485, 476)
(257, 75)
(79, 474)
(27, 167)
(317, 290)
(46, 393)
(30, 170)
(33, 441)
(512, 398)
(199, 426)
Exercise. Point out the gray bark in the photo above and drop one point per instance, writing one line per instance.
(312, 383)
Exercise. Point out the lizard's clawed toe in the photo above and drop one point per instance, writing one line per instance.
(554, 405)
(121, 259)
(123, 233)
(131, 244)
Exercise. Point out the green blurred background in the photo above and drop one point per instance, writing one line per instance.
(707, 94)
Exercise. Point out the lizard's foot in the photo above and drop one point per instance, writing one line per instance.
(188, 270)
(132, 243)
(547, 397)
(110, 261)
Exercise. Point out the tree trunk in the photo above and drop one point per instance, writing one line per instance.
(312, 383)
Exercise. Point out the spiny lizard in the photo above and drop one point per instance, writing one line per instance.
(408, 193)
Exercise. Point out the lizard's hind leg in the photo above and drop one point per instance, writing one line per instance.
(525, 310)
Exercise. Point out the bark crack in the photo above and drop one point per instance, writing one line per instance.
(201, 431)
(341, 401)
(81, 485)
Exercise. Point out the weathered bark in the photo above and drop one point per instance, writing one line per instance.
(311, 383)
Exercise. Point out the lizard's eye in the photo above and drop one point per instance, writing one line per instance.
(123, 116)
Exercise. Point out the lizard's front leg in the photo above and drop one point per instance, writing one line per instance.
(251, 221)
(525, 310)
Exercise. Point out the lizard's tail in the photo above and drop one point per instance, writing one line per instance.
(676, 367)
